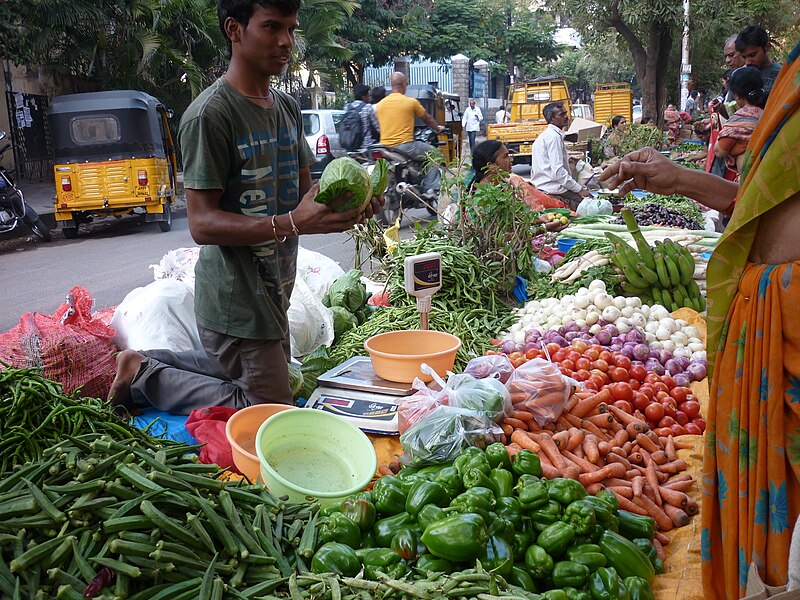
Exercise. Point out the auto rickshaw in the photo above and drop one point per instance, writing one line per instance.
(113, 155)
(443, 107)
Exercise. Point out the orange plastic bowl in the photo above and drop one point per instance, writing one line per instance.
(241, 430)
(397, 355)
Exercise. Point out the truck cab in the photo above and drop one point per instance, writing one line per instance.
(526, 101)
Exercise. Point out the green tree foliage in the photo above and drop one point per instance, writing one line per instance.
(651, 31)
(596, 62)
(380, 30)
(713, 21)
(648, 28)
(171, 48)
(507, 33)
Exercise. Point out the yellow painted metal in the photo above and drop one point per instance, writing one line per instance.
(112, 186)
(526, 101)
(612, 99)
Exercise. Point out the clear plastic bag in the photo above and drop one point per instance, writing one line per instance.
(414, 408)
(497, 366)
(488, 396)
(443, 433)
(591, 207)
(540, 386)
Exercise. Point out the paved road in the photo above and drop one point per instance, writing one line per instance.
(110, 261)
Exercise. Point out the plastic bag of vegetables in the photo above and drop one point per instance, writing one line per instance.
(497, 366)
(484, 396)
(440, 436)
(542, 387)
(345, 174)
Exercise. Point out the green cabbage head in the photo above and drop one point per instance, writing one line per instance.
(345, 174)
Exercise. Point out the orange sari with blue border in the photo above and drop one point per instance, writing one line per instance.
(751, 468)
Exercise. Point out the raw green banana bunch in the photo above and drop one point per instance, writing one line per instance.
(658, 275)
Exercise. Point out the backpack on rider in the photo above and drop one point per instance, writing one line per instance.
(351, 128)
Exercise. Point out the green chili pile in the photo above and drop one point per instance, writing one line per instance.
(36, 413)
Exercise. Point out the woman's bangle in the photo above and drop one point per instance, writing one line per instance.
(275, 232)
(295, 230)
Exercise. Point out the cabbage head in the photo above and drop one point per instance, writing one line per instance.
(342, 175)
(295, 379)
(343, 321)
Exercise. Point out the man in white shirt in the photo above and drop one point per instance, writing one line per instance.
(471, 122)
(550, 164)
(502, 115)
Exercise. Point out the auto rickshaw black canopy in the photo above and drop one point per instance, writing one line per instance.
(111, 125)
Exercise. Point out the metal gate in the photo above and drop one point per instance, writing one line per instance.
(27, 114)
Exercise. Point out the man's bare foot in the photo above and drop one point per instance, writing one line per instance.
(128, 362)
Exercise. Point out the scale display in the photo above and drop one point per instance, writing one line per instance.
(427, 274)
(423, 274)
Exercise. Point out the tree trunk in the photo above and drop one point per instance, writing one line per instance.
(650, 64)
(354, 73)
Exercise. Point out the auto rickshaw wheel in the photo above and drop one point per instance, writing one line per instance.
(166, 224)
(70, 232)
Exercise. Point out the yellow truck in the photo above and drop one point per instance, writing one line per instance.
(526, 100)
(612, 99)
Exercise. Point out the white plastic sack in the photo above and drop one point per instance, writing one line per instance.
(583, 171)
(590, 207)
(449, 214)
(158, 316)
(177, 264)
(317, 270)
(310, 321)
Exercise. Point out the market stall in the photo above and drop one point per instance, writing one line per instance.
(560, 461)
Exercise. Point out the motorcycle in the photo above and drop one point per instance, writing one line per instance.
(13, 207)
(405, 178)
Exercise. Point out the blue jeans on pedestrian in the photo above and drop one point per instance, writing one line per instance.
(472, 135)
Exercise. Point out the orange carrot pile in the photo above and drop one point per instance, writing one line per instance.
(602, 446)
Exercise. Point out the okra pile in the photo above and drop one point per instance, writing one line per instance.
(35, 413)
(137, 519)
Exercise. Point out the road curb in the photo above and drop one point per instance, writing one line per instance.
(23, 233)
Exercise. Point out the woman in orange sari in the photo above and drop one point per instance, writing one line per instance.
(751, 468)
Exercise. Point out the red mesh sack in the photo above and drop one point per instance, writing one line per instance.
(70, 347)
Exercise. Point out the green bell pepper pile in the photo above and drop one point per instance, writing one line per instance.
(545, 537)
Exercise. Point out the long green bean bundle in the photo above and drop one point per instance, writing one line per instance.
(35, 413)
(474, 326)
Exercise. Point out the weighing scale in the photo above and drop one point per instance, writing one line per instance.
(352, 390)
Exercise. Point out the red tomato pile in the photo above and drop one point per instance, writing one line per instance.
(667, 408)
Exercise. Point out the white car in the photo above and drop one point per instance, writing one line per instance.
(321, 127)
(637, 113)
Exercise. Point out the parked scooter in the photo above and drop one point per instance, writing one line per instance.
(13, 207)
(405, 178)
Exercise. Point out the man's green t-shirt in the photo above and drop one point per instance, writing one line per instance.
(253, 154)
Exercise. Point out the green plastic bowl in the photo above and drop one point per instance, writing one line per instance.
(313, 455)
